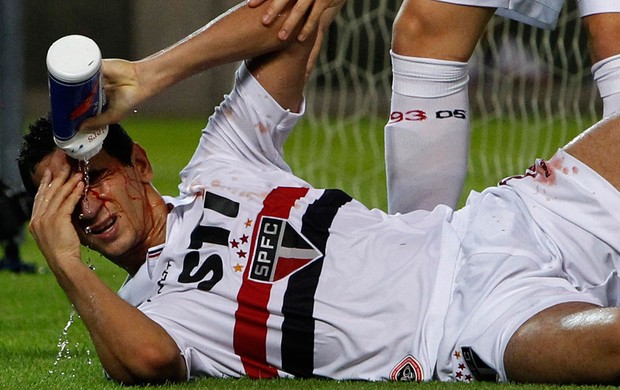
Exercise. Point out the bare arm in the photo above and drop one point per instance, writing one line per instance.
(131, 347)
(234, 36)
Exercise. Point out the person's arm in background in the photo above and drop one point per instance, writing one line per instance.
(236, 35)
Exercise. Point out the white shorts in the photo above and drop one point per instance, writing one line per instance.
(540, 13)
(540, 239)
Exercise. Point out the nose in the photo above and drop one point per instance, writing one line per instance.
(89, 205)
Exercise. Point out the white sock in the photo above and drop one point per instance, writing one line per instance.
(606, 73)
(427, 136)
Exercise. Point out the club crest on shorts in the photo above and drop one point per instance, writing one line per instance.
(279, 250)
(407, 370)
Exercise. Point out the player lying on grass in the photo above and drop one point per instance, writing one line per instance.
(252, 271)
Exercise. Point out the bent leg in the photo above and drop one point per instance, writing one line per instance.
(568, 343)
(427, 136)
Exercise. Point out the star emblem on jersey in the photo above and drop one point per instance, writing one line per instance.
(239, 251)
(460, 370)
(279, 250)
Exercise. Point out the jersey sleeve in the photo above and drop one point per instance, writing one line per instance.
(248, 127)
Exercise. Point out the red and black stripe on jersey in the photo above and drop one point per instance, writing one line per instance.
(297, 344)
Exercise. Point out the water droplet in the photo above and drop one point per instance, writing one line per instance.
(63, 342)
(88, 229)
(85, 169)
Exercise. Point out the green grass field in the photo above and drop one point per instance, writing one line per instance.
(39, 351)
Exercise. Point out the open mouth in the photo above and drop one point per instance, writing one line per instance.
(100, 229)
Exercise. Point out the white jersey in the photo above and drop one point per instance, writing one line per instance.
(263, 275)
(540, 13)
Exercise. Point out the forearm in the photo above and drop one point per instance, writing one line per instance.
(131, 347)
(236, 35)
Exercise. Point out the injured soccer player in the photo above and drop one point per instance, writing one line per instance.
(251, 271)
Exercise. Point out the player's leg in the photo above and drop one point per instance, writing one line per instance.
(569, 343)
(427, 136)
(573, 342)
(599, 148)
(602, 21)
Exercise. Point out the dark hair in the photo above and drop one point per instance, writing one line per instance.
(39, 142)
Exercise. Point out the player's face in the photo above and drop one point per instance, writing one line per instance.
(114, 217)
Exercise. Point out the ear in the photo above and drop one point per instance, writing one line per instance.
(142, 163)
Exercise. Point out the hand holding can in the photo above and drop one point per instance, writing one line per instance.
(76, 93)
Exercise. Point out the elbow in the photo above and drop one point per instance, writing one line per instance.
(151, 364)
(161, 366)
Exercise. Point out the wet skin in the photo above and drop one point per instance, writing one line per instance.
(120, 215)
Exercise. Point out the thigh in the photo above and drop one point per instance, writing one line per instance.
(567, 343)
(591, 7)
(600, 26)
(510, 271)
(539, 13)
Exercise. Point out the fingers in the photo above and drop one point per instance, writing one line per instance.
(39, 198)
(311, 10)
(255, 3)
(62, 192)
(59, 194)
(71, 193)
(298, 13)
(314, 54)
(51, 224)
(292, 21)
(311, 22)
(99, 121)
(123, 91)
(275, 7)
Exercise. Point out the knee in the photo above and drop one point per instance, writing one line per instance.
(537, 352)
(433, 29)
(408, 25)
(605, 364)
(414, 33)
